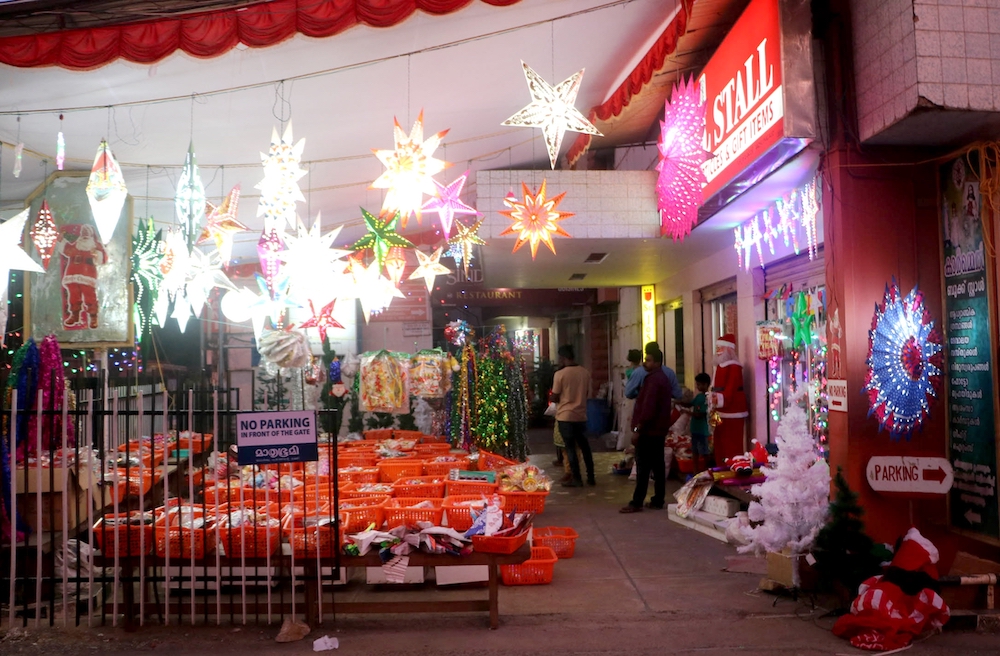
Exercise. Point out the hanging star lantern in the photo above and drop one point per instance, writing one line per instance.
(204, 274)
(269, 248)
(552, 110)
(462, 242)
(310, 261)
(12, 258)
(375, 292)
(44, 234)
(268, 304)
(182, 312)
(381, 237)
(106, 192)
(174, 264)
(905, 362)
(279, 190)
(189, 202)
(678, 187)
(803, 319)
(410, 168)
(429, 267)
(223, 224)
(536, 219)
(323, 321)
(395, 264)
(447, 202)
(147, 255)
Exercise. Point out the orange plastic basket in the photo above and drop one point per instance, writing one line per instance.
(356, 490)
(392, 470)
(358, 514)
(458, 511)
(133, 539)
(360, 475)
(561, 540)
(424, 487)
(491, 461)
(226, 493)
(196, 442)
(357, 458)
(186, 542)
(432, 448)
(499, 545)
(379, 434)
(399, 512)
(537, 570)
(464, 488)
(314, 541)
(533, 502)
(441, 467)
(408, 435)
(258, 540)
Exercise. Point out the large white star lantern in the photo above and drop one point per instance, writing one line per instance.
(311, 262)
(374, 291)
(106, 192)
(429, 267)
(279, 190)
(12, 258)
(551, 109)
(409, 170)
(189, 202)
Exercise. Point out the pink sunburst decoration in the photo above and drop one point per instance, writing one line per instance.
(678, 188)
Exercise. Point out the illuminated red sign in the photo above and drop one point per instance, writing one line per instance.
(742, 86)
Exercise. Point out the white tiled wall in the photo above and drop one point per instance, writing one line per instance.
(927, 52)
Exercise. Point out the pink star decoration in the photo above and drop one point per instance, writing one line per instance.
(536, 220)
(269, 247)
(681, 179)
(44, 234)
(447, 202)
(323, 321)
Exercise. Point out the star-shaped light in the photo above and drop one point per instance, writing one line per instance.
(395, 264)
(381, 236)
(309, 260)
(189, 202)
(174, 264)
(106, 192)
(182, 312)
(536, 220)
(204, 274)
(269, 248)
(802, 319)
(323, 321)
(44, 234)
(552, 110)
(265, 305)
(223, 224)
(375, 291)
(461, 244)
(447, 202)
(279, 190)
(12, 258)
(410, 168)
(429, 267)
(678, 187)
(147, 255)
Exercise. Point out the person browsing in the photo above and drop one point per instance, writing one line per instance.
(570, 390)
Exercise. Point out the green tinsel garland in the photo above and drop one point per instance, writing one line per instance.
(492, 427)
(517, 443)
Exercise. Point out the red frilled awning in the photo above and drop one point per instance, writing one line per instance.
(640, 76)
(211, 34)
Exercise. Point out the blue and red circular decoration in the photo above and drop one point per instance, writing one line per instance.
(904, 362)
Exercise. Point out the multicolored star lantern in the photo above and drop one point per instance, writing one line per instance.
(189, 202)
(223, 224)
(323, 321)
(381, 236)
(269, 248)
(536, 220)
(447, 202)
(904, 362)
(147, 255)
(410, 168)
(678, 187)
(552, 110)
(279, 190)
(462, 242)
(429, 267)
(44, 234)
(106, 192)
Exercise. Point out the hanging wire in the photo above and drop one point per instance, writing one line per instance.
(147, 191)
(192, 118)
(408, 91)
(280, 103)
(108, 131)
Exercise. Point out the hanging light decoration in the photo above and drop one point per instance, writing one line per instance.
(190, 199)
(279, 190)
(322, 321)
(223, 224)
(905, 362)
(381, 236)
(460, 245)
(204, 274)
(310, 261)
(429, 267)
(18, 154)
(60, 147)
(395, 264)
(536, 219)
(552, 110)
(106, 191)
(269, 247)
(147, 256)
(447, 202)
(410, 168)
(44, 233)
(679, 185)
(374, 291)
(12, 258)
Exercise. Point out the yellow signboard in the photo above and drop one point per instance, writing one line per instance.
(647, 304)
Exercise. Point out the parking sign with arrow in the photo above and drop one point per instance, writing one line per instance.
(913, 474)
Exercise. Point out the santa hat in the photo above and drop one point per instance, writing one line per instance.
(916, 553)
(726, 341)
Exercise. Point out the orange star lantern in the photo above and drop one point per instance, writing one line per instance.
(536, 219)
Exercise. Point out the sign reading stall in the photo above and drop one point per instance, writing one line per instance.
(744, 97)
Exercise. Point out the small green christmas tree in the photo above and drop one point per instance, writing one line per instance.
(844, 553)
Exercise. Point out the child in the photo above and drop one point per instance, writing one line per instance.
(699, 422)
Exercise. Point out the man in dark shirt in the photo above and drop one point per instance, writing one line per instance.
(650, 423)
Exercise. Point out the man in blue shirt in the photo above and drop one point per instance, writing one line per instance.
(634, 382)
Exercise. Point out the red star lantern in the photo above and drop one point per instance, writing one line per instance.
(323, 321)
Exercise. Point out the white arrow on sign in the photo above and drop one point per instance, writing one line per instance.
(973, 518)
(911, 474)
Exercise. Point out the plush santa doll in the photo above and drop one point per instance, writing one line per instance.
(728, 399)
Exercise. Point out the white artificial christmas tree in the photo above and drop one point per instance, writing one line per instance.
(794, 499)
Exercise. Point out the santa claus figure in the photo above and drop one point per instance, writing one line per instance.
(81, 254)
(728, 399)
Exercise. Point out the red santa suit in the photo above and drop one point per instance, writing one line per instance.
(730, 402)
(894, 608)
(80, 259)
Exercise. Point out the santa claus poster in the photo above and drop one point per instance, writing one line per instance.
(83, 297)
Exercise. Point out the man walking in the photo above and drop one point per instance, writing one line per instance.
(570, 389)
(650, 423)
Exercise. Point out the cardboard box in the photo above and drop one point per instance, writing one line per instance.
(375, 575)
(721, 506)
(459, 574)
(62, 491)
(781, 569)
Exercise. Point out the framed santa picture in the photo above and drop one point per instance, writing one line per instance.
(83, 297)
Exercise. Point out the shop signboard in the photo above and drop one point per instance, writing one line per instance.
(272, 437)
(909, 474)
(758, 92)
(647, 303)
(967, 320)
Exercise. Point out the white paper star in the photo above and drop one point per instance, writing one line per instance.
(264, 306)
(279, 190)
(374, 291)
(204, 274)
(182, 311)
(552, 110)
(410, 167)
(176, 263)
(429, 267)
(310, 261)
(12, 258)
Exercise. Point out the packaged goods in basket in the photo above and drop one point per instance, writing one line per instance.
(125, 534)
(523, 478)
(403, 540)
(249, 533)
(494, 530)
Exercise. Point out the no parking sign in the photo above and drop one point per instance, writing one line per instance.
(271, 437)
